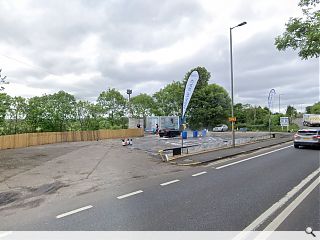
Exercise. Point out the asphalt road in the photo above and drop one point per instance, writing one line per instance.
(253, 192)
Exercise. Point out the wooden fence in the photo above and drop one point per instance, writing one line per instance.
(34, 139)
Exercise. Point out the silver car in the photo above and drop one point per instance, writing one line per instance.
(220, 128)
(307, 137)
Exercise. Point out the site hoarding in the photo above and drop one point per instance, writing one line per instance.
(164, 122)
(151, 123)
(169, 122)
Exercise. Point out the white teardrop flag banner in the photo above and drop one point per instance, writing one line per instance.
(191, 84)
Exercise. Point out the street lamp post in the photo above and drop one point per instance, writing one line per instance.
(129, 92)
(270, 104)
(231, 69)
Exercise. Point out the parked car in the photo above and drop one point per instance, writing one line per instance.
(169, 133)
(307, 137)
(220, 128)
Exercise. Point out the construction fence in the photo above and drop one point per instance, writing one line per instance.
(34, 139)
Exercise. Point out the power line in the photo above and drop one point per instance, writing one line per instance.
(29, 65)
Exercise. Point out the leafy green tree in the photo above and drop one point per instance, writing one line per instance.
(315, 108)
(239, 113)
(36, 113)
(87, 115)
(168, 101)
(308, 109)
(17, 114)
(209, 106)
(4, 110)
(142, 105)
(251, 117)
(61, 110)
(291, 112)
(53, 112)
(112, 105)
(303, 33)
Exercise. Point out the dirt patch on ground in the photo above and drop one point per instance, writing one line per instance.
(22, 198)
(15, 161)
(9, 197)
(47, 188)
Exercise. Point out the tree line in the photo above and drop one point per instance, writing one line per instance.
(61, 111)
(210, 105)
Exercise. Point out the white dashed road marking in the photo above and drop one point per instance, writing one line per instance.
(130, 194)
(167, 183)
(198, 174)
(74, 211)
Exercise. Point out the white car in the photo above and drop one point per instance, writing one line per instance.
(220, 128)
(307, 137)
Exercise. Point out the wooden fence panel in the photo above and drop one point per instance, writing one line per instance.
(34, 139)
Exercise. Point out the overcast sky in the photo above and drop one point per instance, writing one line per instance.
(87, 46)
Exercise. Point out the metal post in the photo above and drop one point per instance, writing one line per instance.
(129, 92)
(182, 130)
(231, 69)
(270, 121)
(279, 102)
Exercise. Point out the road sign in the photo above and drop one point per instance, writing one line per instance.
(232, 119)
(284, 121)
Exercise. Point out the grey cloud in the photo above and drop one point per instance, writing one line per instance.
(58, 27)
(144, 25)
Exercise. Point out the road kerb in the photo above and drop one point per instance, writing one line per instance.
(223, 157)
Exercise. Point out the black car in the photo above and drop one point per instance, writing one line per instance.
(169, 133)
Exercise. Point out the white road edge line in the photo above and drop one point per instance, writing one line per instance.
(4, 234)
(264, 216)
(286, 212)
(198, 174)
(167, 183)
(74, 211)
(260, 155)
(130, 194)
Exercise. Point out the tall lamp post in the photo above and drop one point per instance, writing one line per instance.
(270, 104)
(129, 92)
(231, 68)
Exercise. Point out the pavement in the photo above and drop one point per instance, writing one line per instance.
(226, 152)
